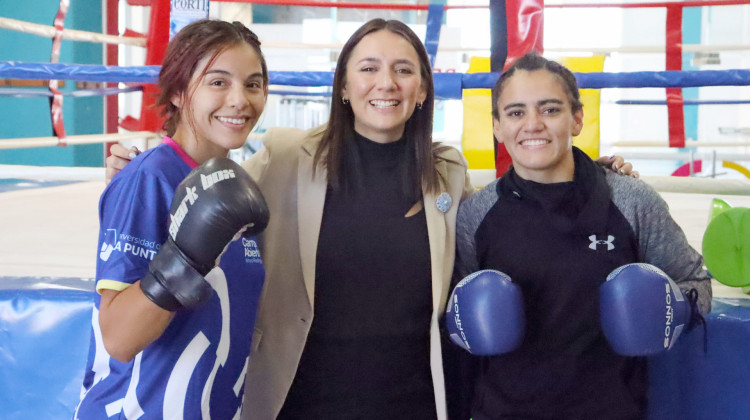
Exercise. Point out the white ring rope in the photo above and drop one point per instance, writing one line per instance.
(693, 143)
(652, 48)
(30, 142)
(679, 184)
(695, 185)
(51, 173)
(69, 34)
(629, 49)
(686, 156)
(76, 35)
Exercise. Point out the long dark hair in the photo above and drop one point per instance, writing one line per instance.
(187, 49)
(335, 151)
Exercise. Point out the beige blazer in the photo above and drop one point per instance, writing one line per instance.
(283, 170)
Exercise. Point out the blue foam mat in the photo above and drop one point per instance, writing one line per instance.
(713, 382)
(45, 327)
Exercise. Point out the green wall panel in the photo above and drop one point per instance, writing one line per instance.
(30, 117)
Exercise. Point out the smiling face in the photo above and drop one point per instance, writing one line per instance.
(537, 126)
(383, 85)
(225, 101)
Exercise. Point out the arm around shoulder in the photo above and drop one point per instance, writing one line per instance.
(457, 163)
(279, 144)
(471, 213)
(255, 165)
(660, 239)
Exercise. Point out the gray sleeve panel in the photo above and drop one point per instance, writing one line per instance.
(471, 212)
(661, 242)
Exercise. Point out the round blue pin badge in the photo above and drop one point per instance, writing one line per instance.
(443, 202)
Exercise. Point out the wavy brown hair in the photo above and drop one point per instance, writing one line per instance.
(336, 152)
(194, 42)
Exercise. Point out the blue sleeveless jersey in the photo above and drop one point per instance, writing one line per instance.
(196, 369)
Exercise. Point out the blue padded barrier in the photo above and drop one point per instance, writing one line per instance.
(45, 327)
(690, 383)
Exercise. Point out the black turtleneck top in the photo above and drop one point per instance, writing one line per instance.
(367, 354)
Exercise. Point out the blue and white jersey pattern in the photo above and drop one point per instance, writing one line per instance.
(196, 369)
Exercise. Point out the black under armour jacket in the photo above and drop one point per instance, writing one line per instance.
(559, 242)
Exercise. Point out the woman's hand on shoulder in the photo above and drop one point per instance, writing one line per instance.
(119, 157)
(617, 164)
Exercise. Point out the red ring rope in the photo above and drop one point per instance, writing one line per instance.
(695, 3)
(349, 5)
(353, 5)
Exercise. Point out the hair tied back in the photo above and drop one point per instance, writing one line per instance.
(246, 32)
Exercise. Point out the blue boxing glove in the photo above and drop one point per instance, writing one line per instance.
(643, 312)
(485, 314)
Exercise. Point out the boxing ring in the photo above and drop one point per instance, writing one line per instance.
(50, 224)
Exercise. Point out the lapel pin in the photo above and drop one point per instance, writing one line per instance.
(443, 202)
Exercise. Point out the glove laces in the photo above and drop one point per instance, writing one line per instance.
(696, 317)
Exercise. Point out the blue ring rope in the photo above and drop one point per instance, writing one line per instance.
(447, 85)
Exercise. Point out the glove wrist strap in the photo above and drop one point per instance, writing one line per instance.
(172, 283)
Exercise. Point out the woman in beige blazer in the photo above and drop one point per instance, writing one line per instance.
(293, 171)
(284, 171)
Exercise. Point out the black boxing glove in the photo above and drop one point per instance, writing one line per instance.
(214, 202)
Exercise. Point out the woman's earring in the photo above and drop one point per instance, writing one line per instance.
(344, 101)
(419, 105)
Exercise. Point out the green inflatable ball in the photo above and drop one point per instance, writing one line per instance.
(726, 247)
(718, 206)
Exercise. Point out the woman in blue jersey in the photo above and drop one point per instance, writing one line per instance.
(146, 361)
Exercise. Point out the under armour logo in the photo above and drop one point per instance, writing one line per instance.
(596, 242)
